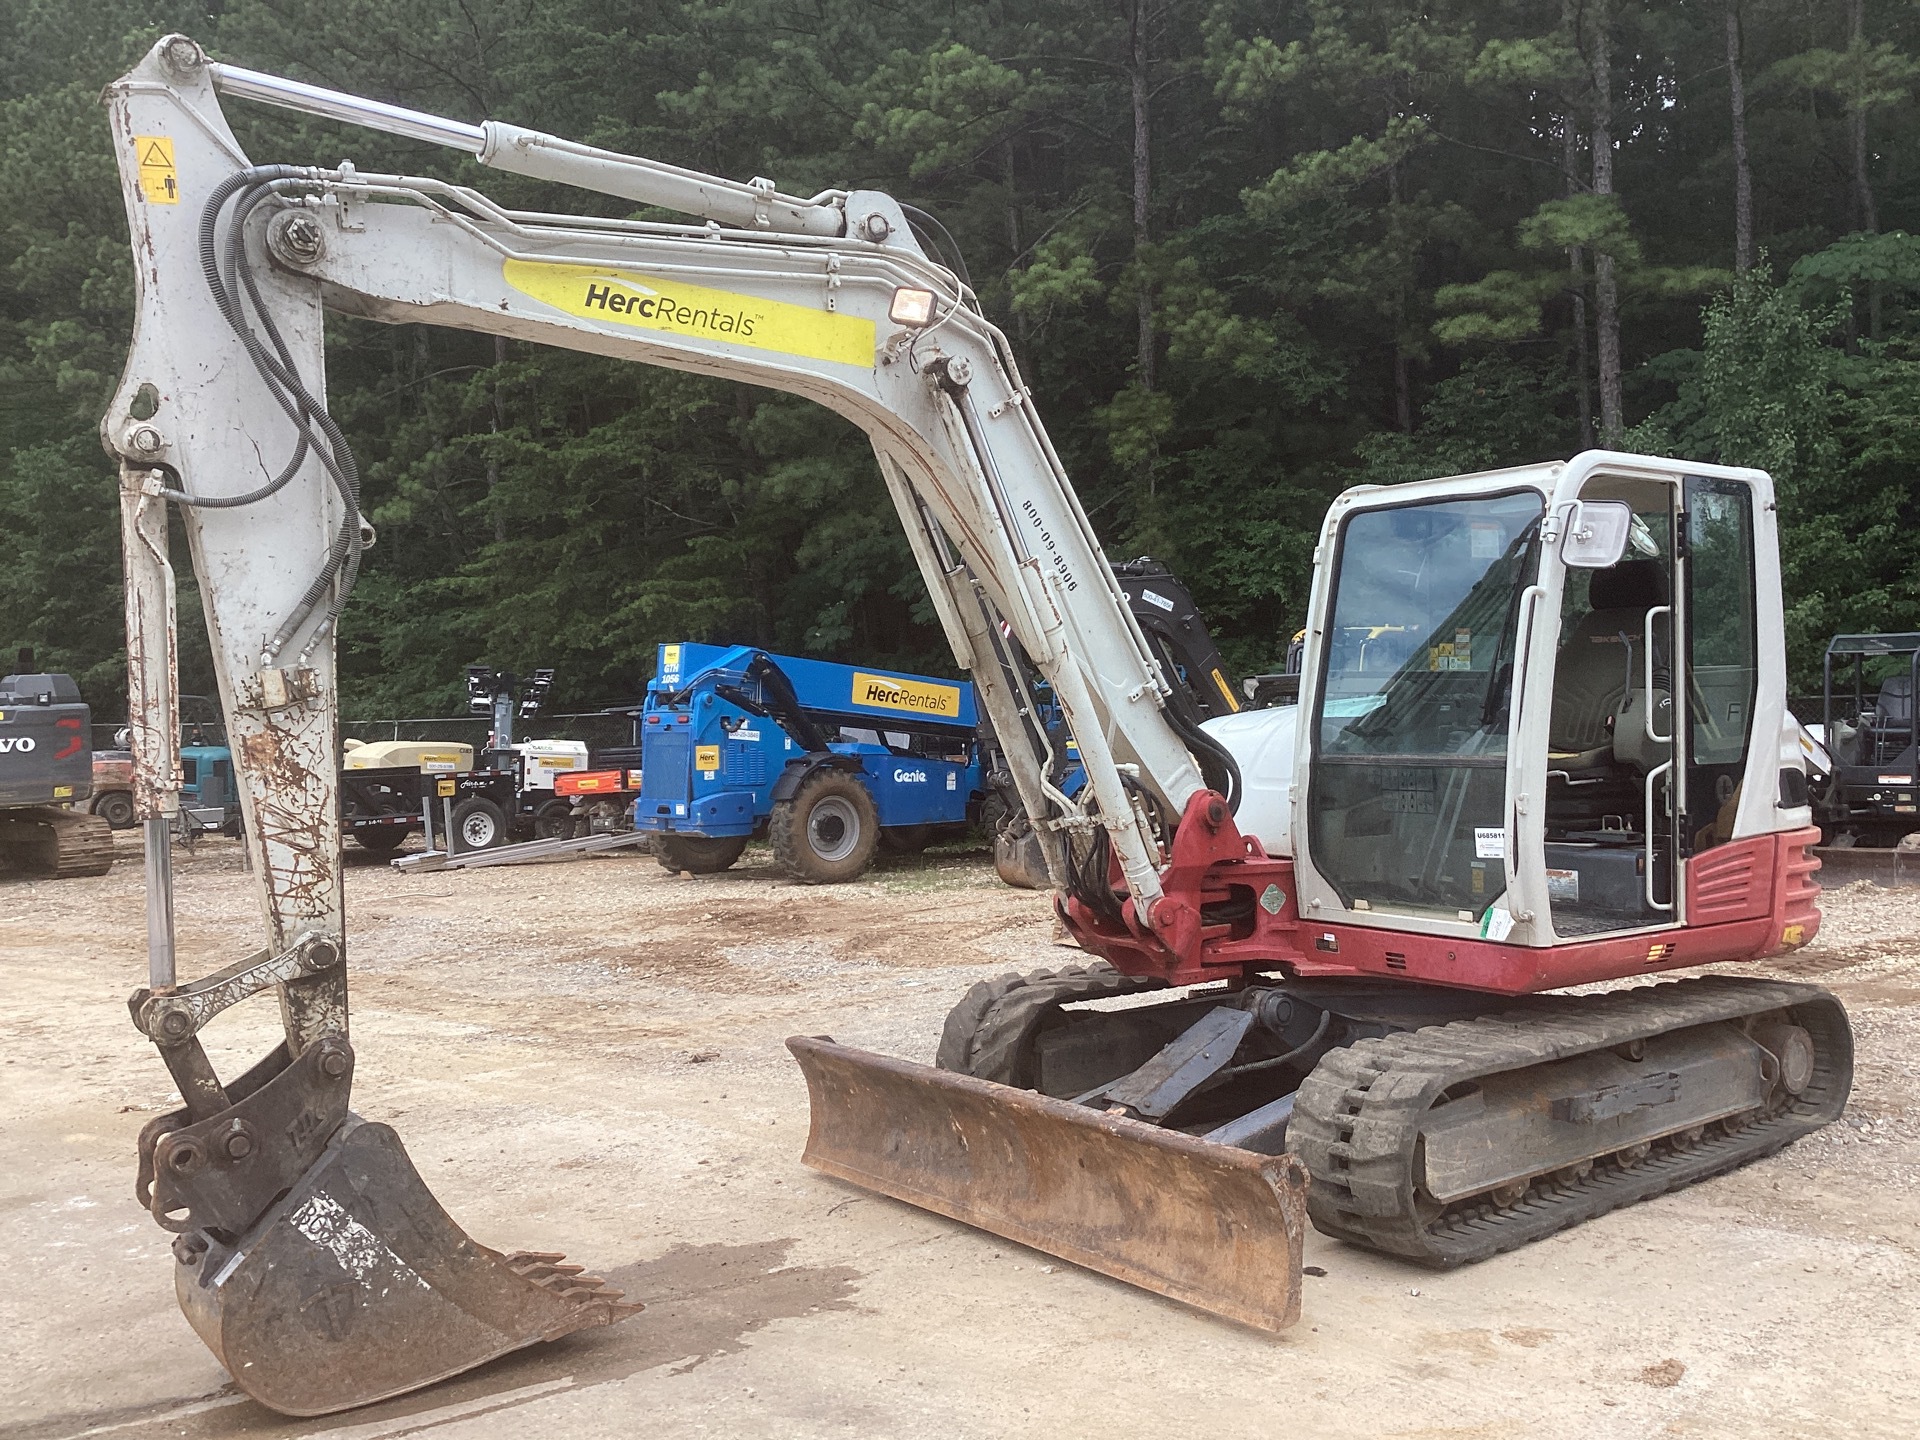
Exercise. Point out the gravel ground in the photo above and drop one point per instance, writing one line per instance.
(586, 1057)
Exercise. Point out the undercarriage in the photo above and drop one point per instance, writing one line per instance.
(1443, 1126)
(50, 843)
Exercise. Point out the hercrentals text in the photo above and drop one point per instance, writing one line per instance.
(668, 311)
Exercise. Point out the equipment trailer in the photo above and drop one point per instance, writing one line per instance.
(1496, 814)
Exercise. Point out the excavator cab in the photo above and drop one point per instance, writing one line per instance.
(1575, 725)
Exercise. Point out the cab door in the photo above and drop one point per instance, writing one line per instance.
(1721, 619)
(1613, 824)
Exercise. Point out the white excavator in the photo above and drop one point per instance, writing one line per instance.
(1541, 741)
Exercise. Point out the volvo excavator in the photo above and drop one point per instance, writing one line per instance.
(1575, 766)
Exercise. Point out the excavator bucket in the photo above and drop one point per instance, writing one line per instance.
(1216, 1227)
(356, 1286)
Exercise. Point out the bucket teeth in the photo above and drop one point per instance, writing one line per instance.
(546, 1268)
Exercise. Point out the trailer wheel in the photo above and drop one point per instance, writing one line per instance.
(698, 854)
(554, 820)
(478, 824)
(116, 808)
(827, 832)
(384, 841)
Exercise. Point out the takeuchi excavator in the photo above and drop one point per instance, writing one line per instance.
(1574, 766)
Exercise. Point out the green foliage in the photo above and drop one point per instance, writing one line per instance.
(1356, 264)
(1764, 381)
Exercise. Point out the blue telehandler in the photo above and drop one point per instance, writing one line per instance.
(827, 762)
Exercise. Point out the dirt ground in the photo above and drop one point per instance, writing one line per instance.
(587, 1057)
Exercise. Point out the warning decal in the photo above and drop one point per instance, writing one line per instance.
(159, 182)
(647, 302)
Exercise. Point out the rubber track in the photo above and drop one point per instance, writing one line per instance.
(55, 844)
(1358, 1116)
(990, 1033)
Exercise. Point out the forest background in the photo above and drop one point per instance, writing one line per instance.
(1250, 251)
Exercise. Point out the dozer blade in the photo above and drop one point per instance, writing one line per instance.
(356, 1286)
(1213, 1226)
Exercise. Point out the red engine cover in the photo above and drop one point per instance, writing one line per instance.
(1229, 908)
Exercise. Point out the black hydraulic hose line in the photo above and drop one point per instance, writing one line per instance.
(1217, 765)
(208, 218)
(282, 379)
(341, 567)
(944, 237)
(1276, 1061)
(337, 457)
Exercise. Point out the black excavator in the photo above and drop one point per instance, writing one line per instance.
(46, 771)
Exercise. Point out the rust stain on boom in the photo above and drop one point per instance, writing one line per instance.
(1210, 1225)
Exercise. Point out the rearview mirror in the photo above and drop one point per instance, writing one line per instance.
(1597, 533)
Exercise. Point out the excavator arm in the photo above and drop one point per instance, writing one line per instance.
(311, 1257)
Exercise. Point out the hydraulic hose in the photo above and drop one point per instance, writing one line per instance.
(317, 432)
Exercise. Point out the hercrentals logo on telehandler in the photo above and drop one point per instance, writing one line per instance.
(915, 697)
(647, 302)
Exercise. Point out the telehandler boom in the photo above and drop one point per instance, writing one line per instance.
(1572, 768)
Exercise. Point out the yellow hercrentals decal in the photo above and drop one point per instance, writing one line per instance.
(915, 697)
(646, 302)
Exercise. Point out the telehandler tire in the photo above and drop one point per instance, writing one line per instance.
(908, 839)
(698, 854)
(827, 833)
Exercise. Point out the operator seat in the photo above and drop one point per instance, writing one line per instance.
(1599, 757)
(1599, 664)
(1892, 718)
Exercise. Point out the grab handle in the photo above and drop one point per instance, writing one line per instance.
(1646, 720)
(1664, 768)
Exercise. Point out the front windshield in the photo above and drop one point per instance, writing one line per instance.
(1409, 765)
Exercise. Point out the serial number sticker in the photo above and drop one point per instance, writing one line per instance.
(1490, 844)
(1564, 886)
(694, 312)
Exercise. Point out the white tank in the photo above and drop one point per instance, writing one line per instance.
(430, 757)
(1262, 744)
(544, 759)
